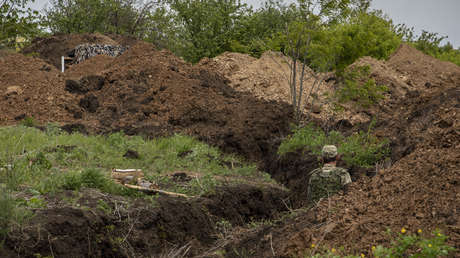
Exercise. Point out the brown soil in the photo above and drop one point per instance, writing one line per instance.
(31, 87)
(267, 78)
(52, 48)
(153, 93)
(92, 224)
(144, 91)
(419, 191)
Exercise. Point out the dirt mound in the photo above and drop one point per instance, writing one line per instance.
(423, 71)
(267, 78)
(94, 65)
(153, 93)
(31, 87)
(52, 48)
(419, 191)
(144, 91)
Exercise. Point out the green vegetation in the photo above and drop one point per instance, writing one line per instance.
(17, 22)
(360, 149)
(358, 87)
(106, 16)
(335, 33)
(39, 163)
(51, 161)
(402, 245)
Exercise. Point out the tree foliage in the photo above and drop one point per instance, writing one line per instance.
(16, 20)
(129, 17)
(207, 28)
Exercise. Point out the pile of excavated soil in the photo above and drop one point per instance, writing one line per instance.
(267, 78)
(31, 87)
(93, 66)
(144, 91)
(151, 92)
(52, 48)
(419, 191)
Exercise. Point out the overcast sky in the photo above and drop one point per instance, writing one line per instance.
(441, 16)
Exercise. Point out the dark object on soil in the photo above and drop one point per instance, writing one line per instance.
(181, 177)
(131, 154)
(86, 84)
(45, 68)
(72, 128)
(20, 117)
(89, 103)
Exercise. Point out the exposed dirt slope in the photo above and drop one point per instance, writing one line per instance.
(144, 91)
(93, 224)
(267, 78)
(31, 87)
(421, 190)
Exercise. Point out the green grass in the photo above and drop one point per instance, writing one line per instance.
(360, 149)
(52, 161)
(41, 163)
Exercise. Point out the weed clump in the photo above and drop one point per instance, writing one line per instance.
(361, 149)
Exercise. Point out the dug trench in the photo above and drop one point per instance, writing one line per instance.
(152, 93)
(93, 224)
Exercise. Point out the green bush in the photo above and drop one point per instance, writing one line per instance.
(358, 87)
(366, 34)
(360, 149)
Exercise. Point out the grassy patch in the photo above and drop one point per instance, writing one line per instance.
(52, 161)
(360, 149)
(47, 162)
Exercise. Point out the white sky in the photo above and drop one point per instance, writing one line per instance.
(441, 16)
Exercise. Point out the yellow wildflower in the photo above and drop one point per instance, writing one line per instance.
(313, 245)
(373, 248)
(333, 250)
(362, 255)
(403, 230)
(419, 231)
(429, 245)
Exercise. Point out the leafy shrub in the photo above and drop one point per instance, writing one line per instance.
(72, 181)
(358, 87)
(93, 178)
(366, 34)
(360, 149)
